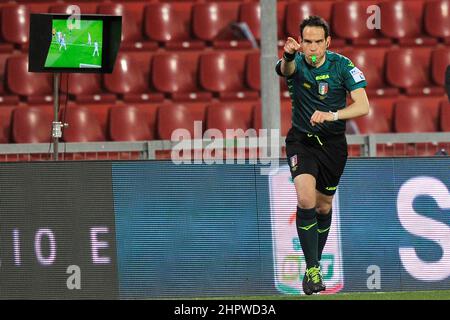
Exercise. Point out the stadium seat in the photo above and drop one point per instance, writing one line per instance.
(223, 72)
(409, 70)
(64, 8)
(5, 96)
(416, 115)
(5, 123)
(85, 88)
(132, 24)
(15, 24)
(130, 78)
(349, 21)
(212, 22)
(178, 116)
(437, 19)
(253, 71)
(379, 119)
(372, 62)
(250, 13)
(32, 124)
(445, 116)
(84, 125)
(132, 123)
(281, 25)
(223, 116)
(34, 87)
(296, 12)
(177, 74)
(170, 25)
(402, 21)
(285, 116)
(440, 59)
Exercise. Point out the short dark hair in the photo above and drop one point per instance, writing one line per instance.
(315, 21)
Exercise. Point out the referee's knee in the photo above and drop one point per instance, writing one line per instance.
(305, 202)
(323, 208)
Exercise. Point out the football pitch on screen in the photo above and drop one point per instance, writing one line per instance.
(78, 51)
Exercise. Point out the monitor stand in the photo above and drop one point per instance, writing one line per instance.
(56, 124)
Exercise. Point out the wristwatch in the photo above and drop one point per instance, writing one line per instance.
(335, 116)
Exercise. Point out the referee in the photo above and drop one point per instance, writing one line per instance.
(316, 147)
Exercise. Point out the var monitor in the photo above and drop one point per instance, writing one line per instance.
(61, 43)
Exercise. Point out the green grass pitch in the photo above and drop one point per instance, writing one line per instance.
(78, 50)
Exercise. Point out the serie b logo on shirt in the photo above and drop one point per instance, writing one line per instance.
(323, 88)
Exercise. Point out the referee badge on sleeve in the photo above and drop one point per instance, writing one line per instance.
(323, 88)
(293, 162)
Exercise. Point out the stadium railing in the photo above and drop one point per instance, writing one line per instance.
(148, 150)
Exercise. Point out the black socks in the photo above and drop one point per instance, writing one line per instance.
(308, 235)
(323, 228)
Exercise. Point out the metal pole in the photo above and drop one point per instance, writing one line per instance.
(270, 85)
(56, 129)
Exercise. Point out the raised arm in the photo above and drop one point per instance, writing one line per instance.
(288, 62)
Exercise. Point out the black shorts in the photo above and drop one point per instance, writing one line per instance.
(322, 157)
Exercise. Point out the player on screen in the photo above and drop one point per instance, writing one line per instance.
(96, 49)
(316, 146)
(89, 39)
(58, 37)
(62, 42)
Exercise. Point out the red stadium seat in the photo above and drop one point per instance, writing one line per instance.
(179, 116)
(212, 22)
(379, 119)
(132, 24)
(296, 12)
(409, 70)
(403, 21)
(177, 74)
(416, 115)
(349, 21)
(15, 24)
(132, 123)
(440, 59)
(35, 87)
(170, 25)
(64, 8)
(223, 116)
(285, 117)
(372, 62)
(445, 116)
(85, 88)
(32, 124)
(223, 72)
(437, 19)
(130, 78)
(281, 26)
(84, 126)
(5, 123)
(250, 13)
(253, 71)
(5, 97)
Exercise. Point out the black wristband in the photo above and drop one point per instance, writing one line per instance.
(288, 57)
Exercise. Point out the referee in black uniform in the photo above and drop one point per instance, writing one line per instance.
(316, 147)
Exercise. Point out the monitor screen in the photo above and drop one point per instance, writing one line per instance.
(73, 47)
(59, 43)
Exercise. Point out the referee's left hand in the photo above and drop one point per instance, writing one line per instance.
(320, 117)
